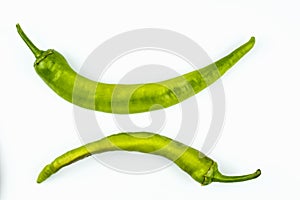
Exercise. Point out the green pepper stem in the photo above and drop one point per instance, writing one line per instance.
(31, 46)
(218, 177)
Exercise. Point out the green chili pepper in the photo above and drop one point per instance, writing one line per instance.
(53, 68)
(197, 165)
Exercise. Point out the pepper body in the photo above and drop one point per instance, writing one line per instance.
(54, 69)
(200, 167)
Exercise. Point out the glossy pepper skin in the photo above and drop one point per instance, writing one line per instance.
(54, 69)
(200, 167)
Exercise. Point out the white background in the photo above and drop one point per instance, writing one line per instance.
(262, 97)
